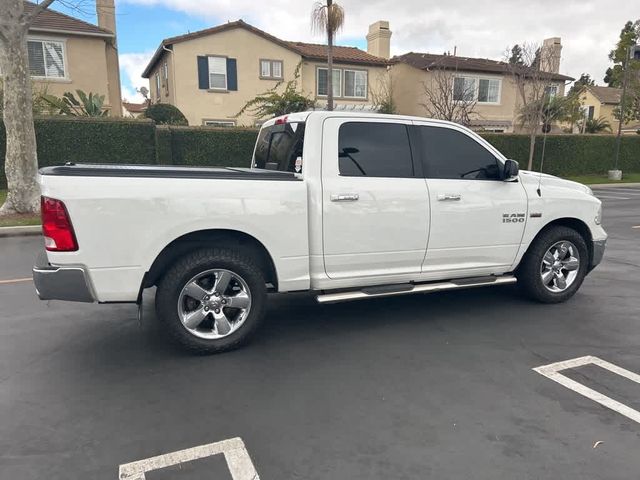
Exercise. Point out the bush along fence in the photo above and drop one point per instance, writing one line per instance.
(68, 139)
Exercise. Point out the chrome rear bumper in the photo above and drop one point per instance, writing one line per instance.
(61, 283)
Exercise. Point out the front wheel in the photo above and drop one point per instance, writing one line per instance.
(555, 265)
(211, 300)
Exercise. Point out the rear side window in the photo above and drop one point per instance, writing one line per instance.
(447, 153)
(368, 149)
(278, 147)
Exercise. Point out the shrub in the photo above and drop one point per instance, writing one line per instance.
(165, 114)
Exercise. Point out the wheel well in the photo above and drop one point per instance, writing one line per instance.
(207, 238)
(573, 223)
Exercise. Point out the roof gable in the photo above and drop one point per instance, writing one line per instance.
(52, 21)
(305, 50)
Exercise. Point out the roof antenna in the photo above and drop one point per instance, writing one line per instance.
(546, 126)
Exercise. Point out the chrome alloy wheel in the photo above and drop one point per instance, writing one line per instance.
(560, 266)
(214, 304)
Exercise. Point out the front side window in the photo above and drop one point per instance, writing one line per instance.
(217, 73)
(322, 82)
(355, 83)
(450, 154)
(279, 146)
(368, 149)
(46, 59)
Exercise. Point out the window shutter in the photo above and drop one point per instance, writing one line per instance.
(203, 73)
(232, 74)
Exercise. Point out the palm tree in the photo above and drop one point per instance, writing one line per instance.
(597, 125)
(328, 18)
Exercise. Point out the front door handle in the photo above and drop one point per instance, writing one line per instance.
(449, 197)
(345, 197)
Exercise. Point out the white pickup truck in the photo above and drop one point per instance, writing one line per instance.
(349, 206)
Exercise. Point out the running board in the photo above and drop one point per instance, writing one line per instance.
(407, 288)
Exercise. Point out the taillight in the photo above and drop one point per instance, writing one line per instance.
(56, 226)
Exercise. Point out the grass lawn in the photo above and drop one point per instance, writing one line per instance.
(590, 179)
(17, 220)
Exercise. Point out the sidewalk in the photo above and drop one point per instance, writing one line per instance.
(30, 230)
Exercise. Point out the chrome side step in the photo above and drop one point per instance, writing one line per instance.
(407, 288)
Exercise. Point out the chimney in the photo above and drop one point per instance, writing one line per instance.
(552, 49)
(106, 12)
(379, 39)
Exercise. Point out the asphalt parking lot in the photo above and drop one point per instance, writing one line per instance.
(431, 386)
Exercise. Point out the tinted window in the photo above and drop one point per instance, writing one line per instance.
(367, 149)
(451, 154)
(278, 146)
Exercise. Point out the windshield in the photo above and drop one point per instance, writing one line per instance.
(279, 146)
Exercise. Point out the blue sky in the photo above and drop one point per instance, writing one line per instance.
(478, 28)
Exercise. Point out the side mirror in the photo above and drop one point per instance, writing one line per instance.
(511, 170)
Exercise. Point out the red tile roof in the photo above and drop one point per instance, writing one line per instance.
(426, 61)
(52, 21)
(306, 50)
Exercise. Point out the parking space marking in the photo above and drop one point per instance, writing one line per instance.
(553, 370)
(606, 197)
(234, 451)
(15, 280)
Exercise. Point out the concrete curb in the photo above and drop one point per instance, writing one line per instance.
(28, 231)
(614, 185)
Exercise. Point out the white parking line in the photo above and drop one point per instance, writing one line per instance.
(607, 197)
(633, 191)
(552, 371)
(234, 451)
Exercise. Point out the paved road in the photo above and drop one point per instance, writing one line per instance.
(437, 386)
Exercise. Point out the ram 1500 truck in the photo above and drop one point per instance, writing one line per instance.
(346, 205)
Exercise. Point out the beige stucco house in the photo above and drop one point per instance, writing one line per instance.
(211, 74)
(488, 83)
(600, 102)
(67, 54)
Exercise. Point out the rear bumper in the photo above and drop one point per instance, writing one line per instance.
(61, 283)
(598, 253)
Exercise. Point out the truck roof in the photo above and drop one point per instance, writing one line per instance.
(304, 116)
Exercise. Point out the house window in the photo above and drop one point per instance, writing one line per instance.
(551, 91)
(481, 90)
(355, 83)
(271, 69)
(219, 123)
(165, 71)
(158, 85)
(217, 73)
(46, 59)
(321, 86)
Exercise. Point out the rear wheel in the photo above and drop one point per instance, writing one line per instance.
(211, 300)
(554, 266)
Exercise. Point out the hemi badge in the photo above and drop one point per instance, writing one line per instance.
(535, 215)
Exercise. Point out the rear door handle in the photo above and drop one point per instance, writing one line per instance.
(449, 197)
(345, 197)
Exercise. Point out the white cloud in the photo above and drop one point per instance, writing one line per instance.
(483, 28)
(131, 67)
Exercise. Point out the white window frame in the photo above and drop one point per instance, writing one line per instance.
(209, 72)
(271, 64)
(477, 79)
(65, 68)
(219, 123)
(340, 83)
(366, 83)
(553, 88)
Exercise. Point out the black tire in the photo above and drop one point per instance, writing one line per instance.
(528, 273)
(186, 268)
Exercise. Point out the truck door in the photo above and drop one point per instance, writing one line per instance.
(477, 218)
(375, 206)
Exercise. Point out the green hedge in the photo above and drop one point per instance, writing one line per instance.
(571, 154)
(68, 139)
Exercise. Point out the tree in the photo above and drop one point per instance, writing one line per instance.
(533, 82)
(516, 55)
(329, 19)
(273, 104)
(629, 35)
(21, 161)
(585, 80)
(447, 99)
(91, 105)
(382, 97)
(165, 114)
